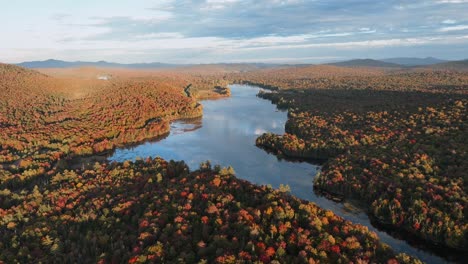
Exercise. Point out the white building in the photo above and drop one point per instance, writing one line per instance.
(104, 77)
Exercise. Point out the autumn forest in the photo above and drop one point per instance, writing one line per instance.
(394, 140)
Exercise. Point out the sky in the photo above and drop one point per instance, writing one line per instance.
(211, 31)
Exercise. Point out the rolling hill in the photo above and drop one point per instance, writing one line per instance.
(60, 64)
(407, 61)
(461, 65)
(366, 63)
(51, 63)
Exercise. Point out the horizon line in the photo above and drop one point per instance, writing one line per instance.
(260, 61)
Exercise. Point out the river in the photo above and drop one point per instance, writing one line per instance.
(226, 135)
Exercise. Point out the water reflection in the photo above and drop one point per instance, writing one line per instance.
(184, 126)
(226, 136)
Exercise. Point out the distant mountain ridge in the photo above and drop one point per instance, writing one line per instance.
(71, 64)
(365, 63)
(402, 62)
(52, 63)
(408, 61)
(461, 65)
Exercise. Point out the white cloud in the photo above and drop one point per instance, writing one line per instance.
(218, 4)
(221, 1)
(449, 21)
(163, 35)
(287, 59)
(270, 40)
(452, 1)
(453, 28)
(380, 43)
(165, 46)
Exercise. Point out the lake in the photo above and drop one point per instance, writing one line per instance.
(226, 135)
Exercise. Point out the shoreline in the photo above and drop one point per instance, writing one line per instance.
(77, 161)
(286, 157)
(422, 243)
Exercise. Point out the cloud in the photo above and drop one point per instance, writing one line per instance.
(217, 30)
(453, 28)
(288, 59)
(449, 21)
(162, 35)
(379, 43)
(218, 4)
(244, 19)
(60, 16)
(452, 1)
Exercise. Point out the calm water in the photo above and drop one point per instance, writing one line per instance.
(226, 136)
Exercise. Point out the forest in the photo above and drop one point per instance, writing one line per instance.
(158, 211)
(393, 139)
(361, 78)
